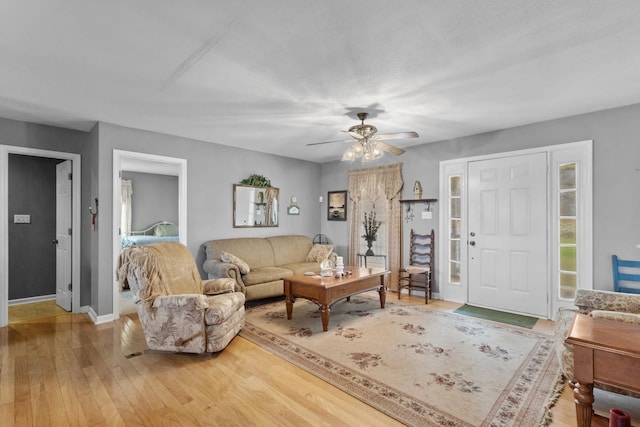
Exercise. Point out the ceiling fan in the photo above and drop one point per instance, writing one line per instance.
(369, 145)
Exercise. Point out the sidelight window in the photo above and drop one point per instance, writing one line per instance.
(567, 230)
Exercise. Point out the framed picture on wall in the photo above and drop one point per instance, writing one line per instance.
(337, 206)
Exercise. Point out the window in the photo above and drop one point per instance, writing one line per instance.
(567, 230)
(455, 226)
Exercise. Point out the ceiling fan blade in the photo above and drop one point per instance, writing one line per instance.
(330, 142)
(354, 134)
(396, 135)
(389, 148)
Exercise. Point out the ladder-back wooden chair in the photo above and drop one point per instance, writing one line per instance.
(625, 271)
(419, 273)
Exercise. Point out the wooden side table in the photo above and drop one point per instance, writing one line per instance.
(364, 257)
(606, 352)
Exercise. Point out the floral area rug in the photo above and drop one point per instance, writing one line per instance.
(422, 367)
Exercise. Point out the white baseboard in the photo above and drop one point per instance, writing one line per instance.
(30, 300)
(99, 319)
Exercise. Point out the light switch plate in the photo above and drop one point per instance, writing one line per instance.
(321, 199)
(427, 215)
(22, 219)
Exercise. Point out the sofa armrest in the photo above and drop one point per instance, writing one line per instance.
(218, 286)
(217, 269)
(564, 351)
(617, 316)
(589, 300)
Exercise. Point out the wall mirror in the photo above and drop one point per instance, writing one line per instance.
(255, 206)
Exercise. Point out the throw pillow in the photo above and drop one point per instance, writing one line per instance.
(242, 266)
(165, 230)
(319, 253)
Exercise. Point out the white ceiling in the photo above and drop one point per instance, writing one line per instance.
(274, 75)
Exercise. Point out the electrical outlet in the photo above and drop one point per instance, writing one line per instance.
(22, 219)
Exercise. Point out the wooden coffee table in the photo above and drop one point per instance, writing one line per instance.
(604, 351)
(325, 291)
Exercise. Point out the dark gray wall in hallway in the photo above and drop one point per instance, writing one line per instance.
(32, 256)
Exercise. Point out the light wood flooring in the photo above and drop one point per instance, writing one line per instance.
(37, 310)
(64, 370)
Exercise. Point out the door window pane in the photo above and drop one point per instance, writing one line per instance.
(567, 231)
(567, 285)
(455, 186)
(455, 250)
(456, 211)
(568, 203)
(567, 176)
(567, 193)
(454, 275)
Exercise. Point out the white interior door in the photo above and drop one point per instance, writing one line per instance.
(63, 235)
(507, 259)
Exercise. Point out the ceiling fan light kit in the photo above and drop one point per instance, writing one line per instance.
(365, 149)
(368, 145)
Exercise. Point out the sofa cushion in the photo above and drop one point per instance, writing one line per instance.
(289, 249)
(303, 267)
(242, 266)
(266, 274)
(319, 253)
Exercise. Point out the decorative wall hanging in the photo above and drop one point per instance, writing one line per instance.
(337, 205)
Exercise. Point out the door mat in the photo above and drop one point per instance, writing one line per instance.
(497, 316)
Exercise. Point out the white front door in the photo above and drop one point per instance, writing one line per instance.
(507, 241)
(63, 234)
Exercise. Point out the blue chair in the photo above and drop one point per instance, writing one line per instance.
(622, 272)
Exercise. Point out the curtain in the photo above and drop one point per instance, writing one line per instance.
(371, 184)
(272, 205)
(126, 191)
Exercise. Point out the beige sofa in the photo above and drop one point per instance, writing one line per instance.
(269, 261)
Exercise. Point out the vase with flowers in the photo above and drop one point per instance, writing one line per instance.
(371, 226)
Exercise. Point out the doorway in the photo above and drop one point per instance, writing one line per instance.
(130, 161)
(5, 151)
(472, 270)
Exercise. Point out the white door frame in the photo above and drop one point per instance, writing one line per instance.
(581, 152)
(147, 163)
(5, 150)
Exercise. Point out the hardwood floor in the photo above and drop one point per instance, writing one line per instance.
(64, 370)
(37, 310)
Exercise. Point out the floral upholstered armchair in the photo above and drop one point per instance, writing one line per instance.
(616, 306)
(178, 310)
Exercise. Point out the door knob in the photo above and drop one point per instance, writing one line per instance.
(472, 243)
(55, 242)
(472, 234)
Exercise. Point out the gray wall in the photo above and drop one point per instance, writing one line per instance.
(212, 170)
(154, 199)
(616, 175)
(32, 256)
